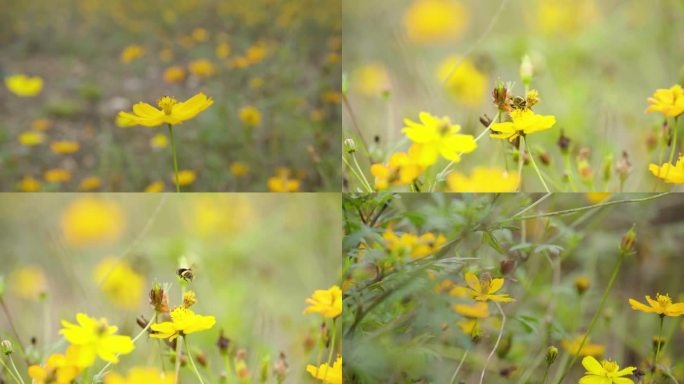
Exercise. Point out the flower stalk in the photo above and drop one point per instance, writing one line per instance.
(175, 161)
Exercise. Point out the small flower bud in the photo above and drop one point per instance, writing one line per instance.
(551, 354)
(265, 369)
(628, 240)
(564, 143)
(545, 158)
(223, 344)
(349, 146)
(607, 167)
(159, 300)
(485, 120)
(623, 167)
(582, 285)
(189, 299)
(500, 97)
(532, 98)
(280, 368)
(202, 359)
(6, 347)
(507, 266)
(526, 70)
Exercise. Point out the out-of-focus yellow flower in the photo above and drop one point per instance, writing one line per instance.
(170, 111)
(155, 187)
(58, 368)
(29, 184)
(64, 147)
(24, 86)
(183, 322)
(250, 116)
(57, 175)
(219, 216)
(484, 179)
(605, 372)
(175, 74)
(327, 374)
(239, 168)
(478, 310)
(28, 282)
(282, 181)
(95, 338)
(89, 220)
(413, 245)
(370, 80)
(524, 122)
(159, 141)
(121, 284)
(566, 17)
(669, 102)
(90, 183)
(597, 197)
(401, 169)
(671, 174)
(222, 50)
(437, 136)
(202, 68)
(256, 82)
(572, 346)
(31, 138)
(327, 302)
(256, 53)
(484, 288)
(428, 21)
(200, 35)
(185, 177)
(331, 97)
(140, 375)
(464, 82)
(41, 124)
(132, 52)
(662, 305)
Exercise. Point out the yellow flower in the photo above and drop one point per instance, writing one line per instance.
(669, 102)
(572, 346)
(140, 375)
(219, 217)
(331, 97)
(64, 147)
(202, 68)
(327, 374)
(327, 302)
(132, 52)
(95, 338)
(58, 368)
(90, 183)
(282, 182)
(159, 141)
(605, 372)
(122, 285)
(437, 136)
(222, 50)
(41, 124)
(479, 310)
(484, 179)
(185, 177)
(24, 86)
(466, 84)
(155, 187)
(29, 184)
(57, 175)
(524, 122)
(170, 111)
(671, 174)
(428, 21)
(250, 116)
(414, 245)
(597, 197)
(401, 169)
(89, 220)
(370, 80)
(566, 17)
(183, 322)
(662, 306)
(256, 53)
(484, 288)
(239, 169)
(200, 35)
(174, 74)
(28, 282)
(31, 138)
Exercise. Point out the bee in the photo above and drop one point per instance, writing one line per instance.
(185, 274)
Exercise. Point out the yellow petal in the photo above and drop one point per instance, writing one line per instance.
(593, 366)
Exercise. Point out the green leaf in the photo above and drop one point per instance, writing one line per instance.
(491, 240)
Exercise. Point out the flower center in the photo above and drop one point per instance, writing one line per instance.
(485, 282)
(609, 366)
(101, 328)
(166, 103)
(663, 300)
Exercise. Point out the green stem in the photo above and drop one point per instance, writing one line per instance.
(192, 362)
(15, 369)
(521, 155)
(498, 340)
(358, 167)
(566, 369)
(657, 352)
(333, 335)
(179, 349)
(568, 172)
(356, 175)
(546, 373)
(17, 380)
(175, 161)
(453, 378)
(534, 165)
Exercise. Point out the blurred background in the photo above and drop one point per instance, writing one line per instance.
(595, 63)
(272, 67)
(256, 258)
(556, 269)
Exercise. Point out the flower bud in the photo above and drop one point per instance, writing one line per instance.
(280, 368)
(349, 146)
(223, 344)
(564, 143)
(6, 347)
(551, 354)
(265, 369)
(526, 70)
(159, 300)
(582, 284)
(607, 167)
(628, 240)
(623, 167)
(189, 299)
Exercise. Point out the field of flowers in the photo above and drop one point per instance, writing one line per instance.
(513, 288)
(144, 289)
(266, 75)
(530, 95)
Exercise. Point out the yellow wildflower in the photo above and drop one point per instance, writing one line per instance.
(41, 124)
(669, 102)
(671, 174)
(155, 186)
(200, 35)
(28, 282)
(31, 138)
(605, 372)
(573, 346)
(121, 284)
(250, 116)
(484, 179)
(464, 82)
(58, 368)
(370, 80)
(327, 302)
(326, 373)
(202, 68)
(413, 245)
(29, 184)
(256, 53)
(170, 111)
(90, 183)
(175, 74)
(132, 52)
(597, 197)
(437, 136)
(159, 141)
(239, 168)
(428, 21)
(222, 50)
(24, 86)
(662, 306)
(95, 338)
(64, 147)
(401, 169)
(183, 322)
(140, 375)
(282, 182)
(57, 175)
(185, 177)
(89, 220)
(524, 122)
(484, 288)
(478, 310)
(331, 97)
